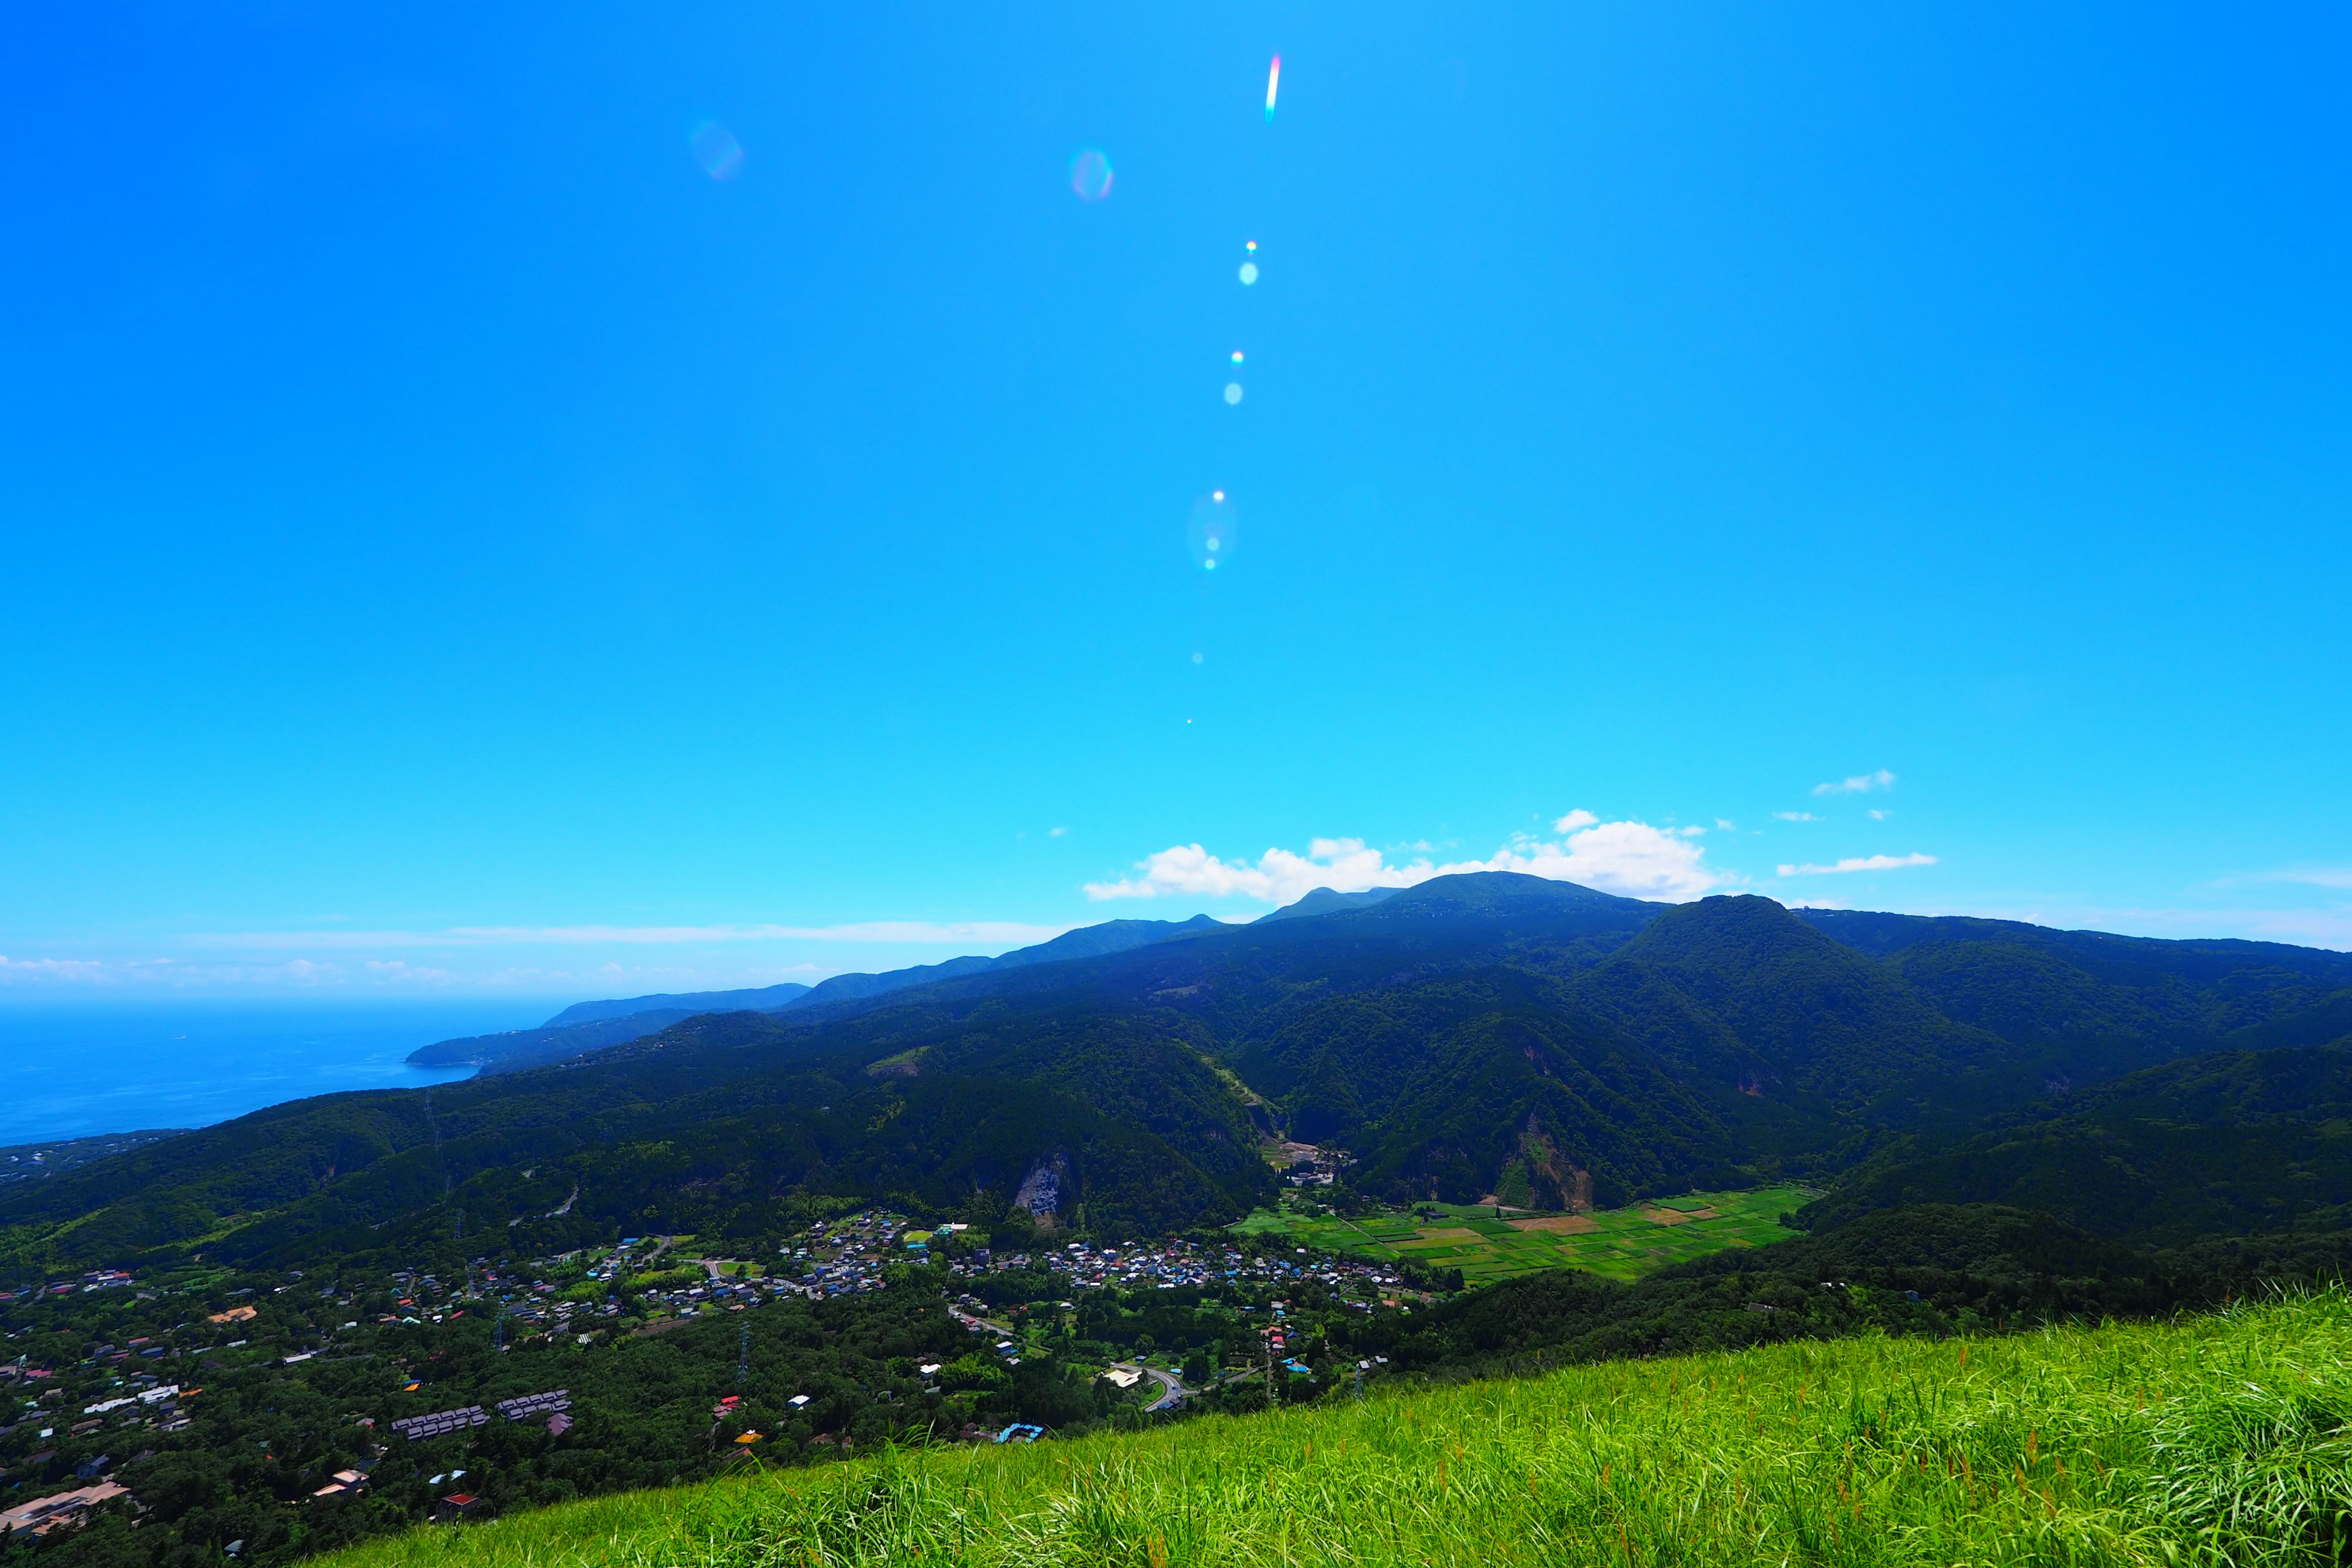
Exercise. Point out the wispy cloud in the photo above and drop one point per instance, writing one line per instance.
(2301, 876)
(1630, 857)
(98, 973)
(1859, 863)
(1794, 817)
(1860, 783)
(50, 969)
(977, 933)
(364, 974)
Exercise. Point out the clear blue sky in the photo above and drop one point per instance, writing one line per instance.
(454, 539)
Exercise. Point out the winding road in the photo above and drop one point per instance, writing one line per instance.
(1171, 1393)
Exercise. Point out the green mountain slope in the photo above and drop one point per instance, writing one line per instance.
(2223, 1143)
(1448, 1087)
(1476, 1036)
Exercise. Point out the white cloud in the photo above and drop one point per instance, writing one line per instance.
(1055, 832)
(1629, 857)
(1794, 817)
(1859, 863)
(1860, 783)
(1878, 815)
(1280, 876)
(1727, 824)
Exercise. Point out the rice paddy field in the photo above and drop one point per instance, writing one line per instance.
(1623, 1244)
(2213, 1440)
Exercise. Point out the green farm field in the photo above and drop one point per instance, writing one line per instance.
(2204, 1441)
(1621, 1244)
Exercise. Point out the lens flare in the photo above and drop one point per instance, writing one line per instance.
(1090, 175)
(1272, 80)
(715, 148)
(1249, 244)
(1237, 356)
(1249, 273)
(1215, 524)
(1232, 392)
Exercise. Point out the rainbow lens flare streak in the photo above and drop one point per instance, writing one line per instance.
(1272, 80)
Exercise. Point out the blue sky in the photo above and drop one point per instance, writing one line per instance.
(456, 541)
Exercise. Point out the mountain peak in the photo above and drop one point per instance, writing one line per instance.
(1501, 892)
(1328, 902)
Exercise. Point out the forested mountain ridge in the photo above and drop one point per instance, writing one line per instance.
(588, 1026)
(1485, 1036)
(2226, 1142)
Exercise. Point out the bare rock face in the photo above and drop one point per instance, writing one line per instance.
(1040, 1190)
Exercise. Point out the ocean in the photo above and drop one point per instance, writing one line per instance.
(69, 1071)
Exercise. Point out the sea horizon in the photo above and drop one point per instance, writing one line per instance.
(81, 1068)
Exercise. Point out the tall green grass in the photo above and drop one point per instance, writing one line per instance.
(2212, 1440)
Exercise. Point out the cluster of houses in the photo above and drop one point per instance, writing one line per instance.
(441, 1422)
(832, 1257)
(1168, 1265)
(96, 1279)
(1308, 1165)
(835, 1256)
(552, 1405)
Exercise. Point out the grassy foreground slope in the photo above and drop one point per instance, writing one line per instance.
(2216, 1439)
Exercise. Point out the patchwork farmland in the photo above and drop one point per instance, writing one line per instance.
(1488, 1244)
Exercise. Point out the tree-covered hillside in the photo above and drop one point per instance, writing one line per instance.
(1472, 1036)
(2227, 1142)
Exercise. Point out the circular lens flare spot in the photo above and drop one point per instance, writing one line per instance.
(1090, 175)
(1215, 525)
(1237, 356)
(1233, 393)
(715, 148)
(1249, 273)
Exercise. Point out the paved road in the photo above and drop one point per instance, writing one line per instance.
(1171, 1393)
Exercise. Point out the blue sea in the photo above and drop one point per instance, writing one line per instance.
(71, 1071)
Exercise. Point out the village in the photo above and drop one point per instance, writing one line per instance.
(106, 1374)
(1178, 1263)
